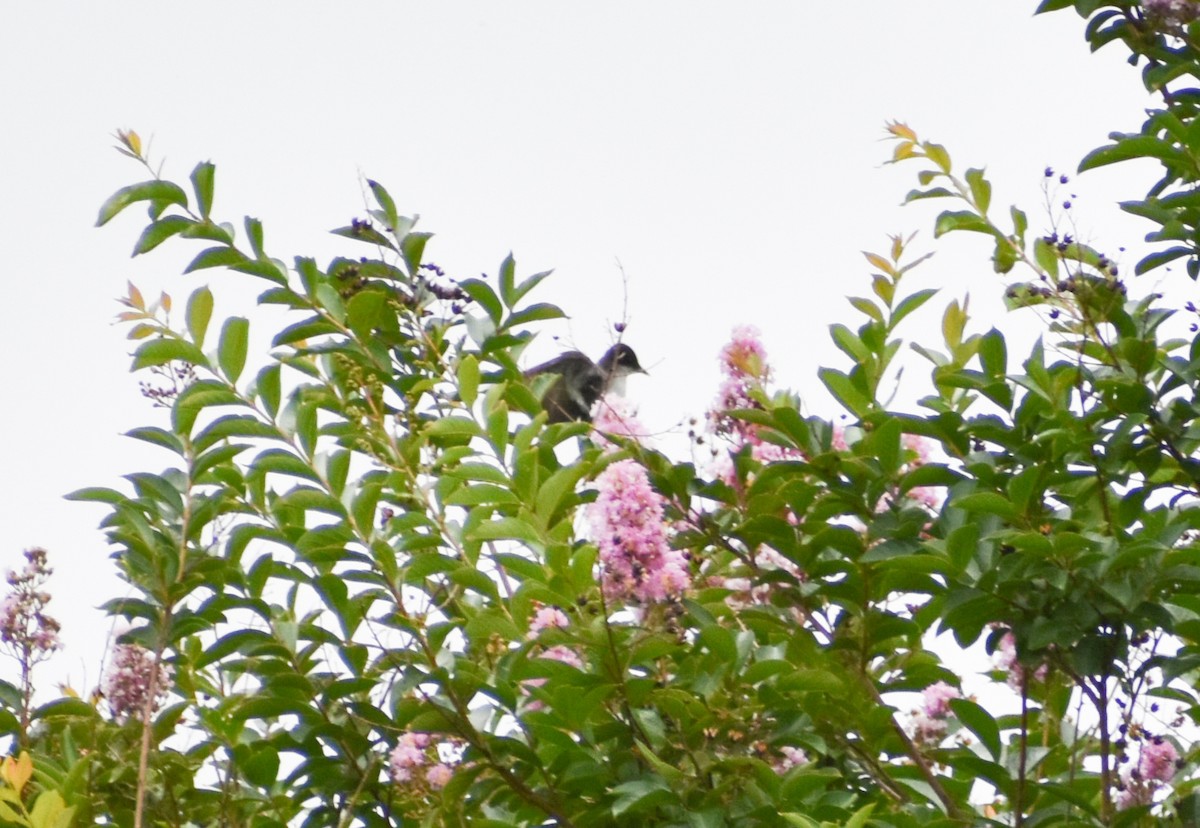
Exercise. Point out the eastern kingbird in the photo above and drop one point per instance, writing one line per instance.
(581, 382)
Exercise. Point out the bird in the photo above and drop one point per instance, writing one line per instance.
(581, 382)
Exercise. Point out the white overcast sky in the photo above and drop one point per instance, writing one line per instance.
(727, 155)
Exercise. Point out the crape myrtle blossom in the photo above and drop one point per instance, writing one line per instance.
(558, 652)
(919, 447)
(545, 617)
(929, 722)
(25, 627)
(1158, 760)
(1005, 659)
(626, 521)
(747, 591)
(1171, 14)
(744, 364)
(616, 416)
(790, 757)
(937, 699)
(128, 681)
(418, 761)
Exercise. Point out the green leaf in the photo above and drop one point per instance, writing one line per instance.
(910, 304)
(867, 306)
(556, 488)
(988, 503)
(234, 425)
(254, 234)
(529, 284)
(507, 274)
(158, 191)
(216, 257)
(1046, 255)
(231, 352)
(159, 231)
(413, 248)
(96, 494)
(979, 722)
(639, 795)
(267, 388)
(162, 351)
(534, 313)
(954, 321)
(385, 202)
(1162, 257)
(938, 155)
(158, 437)
(993, 354)
(278, 461)
(844, 391)
(199, 311)
(49, 810)
(507, 528)
(454, 427)
(202, 183)
(1135, 146)
(932, 192)
(482, 293)
(850, 344)
(468, 379)
(981, 189)
(952, 220)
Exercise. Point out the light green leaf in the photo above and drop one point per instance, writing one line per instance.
(199, 311)
(1046, 255)
(158, 191)
(981, 189)
(202, 183)
(162, 351)
(844, 391)
(468, 379)
(231, 352)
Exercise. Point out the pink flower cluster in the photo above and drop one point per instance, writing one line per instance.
(133, 676)
(544, 617)
(929, 723)
(926, 495)
(616, 416)
(747, 591)
(744, 364)
(937, 699)
(558, 652)
(1172, 13)
(24, 624)
(626, 521)
(1005, 658)
(418, 753)
(791, 757)
(1156, 766)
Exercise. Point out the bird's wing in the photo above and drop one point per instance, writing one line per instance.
(556, 365)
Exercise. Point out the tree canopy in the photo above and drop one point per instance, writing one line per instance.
(374, 586)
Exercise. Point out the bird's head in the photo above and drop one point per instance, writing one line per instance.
(620, 361)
